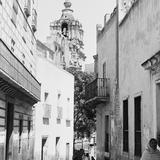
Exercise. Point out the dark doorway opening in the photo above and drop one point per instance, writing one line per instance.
(125, 126)
(9, 128)
(137, 125)
(67, 151)
(107, 133)
(44, 139)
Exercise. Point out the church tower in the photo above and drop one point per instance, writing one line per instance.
(67, 34)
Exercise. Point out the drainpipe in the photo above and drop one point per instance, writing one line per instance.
(117, 109)
(117, 45)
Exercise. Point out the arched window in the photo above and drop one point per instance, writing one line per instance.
(64, 29)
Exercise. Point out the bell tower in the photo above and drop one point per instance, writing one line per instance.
(68, 32)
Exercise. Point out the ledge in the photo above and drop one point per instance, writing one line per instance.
(152, 63)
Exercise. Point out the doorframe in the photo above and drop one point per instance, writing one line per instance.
(43, 137)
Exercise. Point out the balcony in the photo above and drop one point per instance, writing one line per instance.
(97, 91)
(16, 78)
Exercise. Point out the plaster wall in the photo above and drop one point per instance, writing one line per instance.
(58, 82)
(106, 49)
(139, 40)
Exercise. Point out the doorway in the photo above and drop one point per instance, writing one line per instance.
(44, 139)
(137, 126)
(67, 151)
(158, 111)
(9, 130)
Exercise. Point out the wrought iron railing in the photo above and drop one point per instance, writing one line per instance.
(17, 72)
(97, 88)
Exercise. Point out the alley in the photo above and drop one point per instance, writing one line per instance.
(80, 80)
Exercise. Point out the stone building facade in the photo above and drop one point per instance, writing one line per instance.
(139, 76)
(19, 89)
(138, 82)
(106, 78)
(66, 34)
(54, 113)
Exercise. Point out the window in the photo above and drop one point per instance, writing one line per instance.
(23, 55)
(58, 121)
(46, 96)
(51, 56)
(31, 52)
(107, 133)
(34, 20)
(25, 24)
(59, 112)
(104, 74)
(14, 12)
(59, 95)
(104, 70)
(68, 109)
(24, 40)
(12, 45)
(125, 126)
(20, 132)
(137, 125)
(68, 123)
(45, 121)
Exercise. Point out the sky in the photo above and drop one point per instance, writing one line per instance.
(88, 12)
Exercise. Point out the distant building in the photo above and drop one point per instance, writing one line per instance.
(52, 56)
(54, 113)
(67, 34)
(89, 68)
(19, 89)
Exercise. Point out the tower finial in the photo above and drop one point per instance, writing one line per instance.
(67, 4)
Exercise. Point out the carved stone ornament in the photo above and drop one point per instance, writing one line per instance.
(153, 63)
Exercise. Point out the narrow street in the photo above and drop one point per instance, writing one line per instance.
(80, 80)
